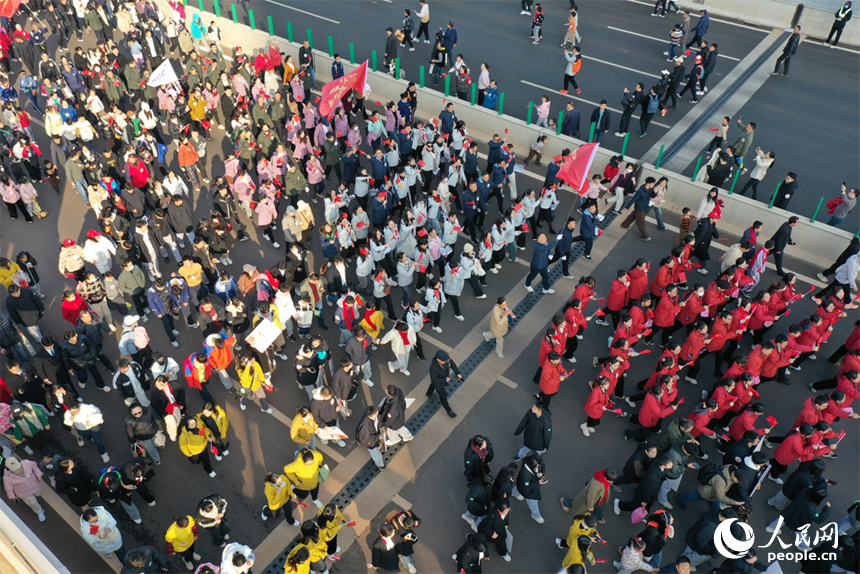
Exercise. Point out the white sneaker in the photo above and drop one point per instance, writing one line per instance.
(459, 317)
(218, 457)
(529, 288)
(437, 329)
(549, 291)
(483, 296)
(616, 508)
(212, 474)
(267, 411)
(390, 368)
(340, 443)
(137, 521)
(584, 428)
(368, 382)
(691, 380)
(506, 557)
(539, 519)
(153, 503)
(175, 332)
(175, 344)
(318, 503)
(243, 406)
(405, 372)
(41, 516)
(188, 565)
(276, 244)
(467, 518)
(571, 360)
(105, 457)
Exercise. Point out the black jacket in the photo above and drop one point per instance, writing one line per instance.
(802, 511)
(718, 173)
(701, 536)
(123, 382)
(391, 47)
(77, 485)
(538, 430)
(393, 411)
(604, 123)
(791, 46)
(46, 365)
(705, 232)
(629, 471)
(154, 561)
(158, 400)
(479, 499)
(570, 123)
(22, 385)
(468, 559)
(324, 411)
(678, 74)
(649, 486)
(494, 523)
(528, 483)
(143, 427)
(368, 432)
(439, 373)
(473, 467)
(25, 310)
(381, 557)
(81, 355)
(711, 61)
(343, 384)
(784, 194)
(799, 481)
(782, 237)
(736, 452)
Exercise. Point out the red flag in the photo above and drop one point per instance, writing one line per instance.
(771, 421)
(600, 313)
(9, 7)
(644, 351)
(350, 524)
(335, 90)
(576, 167)
(602, 299)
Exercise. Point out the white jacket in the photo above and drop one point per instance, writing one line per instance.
(88, 417)
(397, 346)
(227, 559)
(100, 253)
(102, 535)
(762, 163)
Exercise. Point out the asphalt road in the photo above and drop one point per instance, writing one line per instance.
(809, 119)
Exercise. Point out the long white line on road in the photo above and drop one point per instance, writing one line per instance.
(621, 67)
(662, 41)
(720, 20)
(725, 247)
(288, 7)
(595, 104)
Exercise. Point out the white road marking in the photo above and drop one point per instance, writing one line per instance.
(621, 67)
(397, 499)
(288, 7)
(507, 382)
(693, 12)
(595, 104)
(662, 41)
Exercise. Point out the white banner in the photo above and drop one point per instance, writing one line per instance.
(163, 74)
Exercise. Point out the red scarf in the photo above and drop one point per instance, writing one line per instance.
(601, 478)
(482, 452)
(367, 315)
(405, 336)
(348, 315)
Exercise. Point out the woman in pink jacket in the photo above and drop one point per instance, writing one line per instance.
(315, 177)
(267, 213)
(23, 481)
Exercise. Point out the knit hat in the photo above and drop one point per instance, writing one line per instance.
(468, 248)
(442, 355)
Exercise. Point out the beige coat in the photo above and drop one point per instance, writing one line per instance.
(589, 497)
(499, 322)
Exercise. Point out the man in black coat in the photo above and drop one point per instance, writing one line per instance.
(79, 356)
(390, 48)
(787, 52)
(601, 118)
(737, 451)
(393, 415)
(440, 373)
(479, 500)
(747, 475)
(529, 481)
(49, 367)
(782, 239)
(24, 383)
(700, 538)
(675, 79)
(477, 458)
(786, 190)
(144, 560)
(537, 425)
(630, 101)
(25, 309)
(649, 487)
(495, 528)
(368, 434)
(570, 121)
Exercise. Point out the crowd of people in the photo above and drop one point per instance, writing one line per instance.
(410, 210)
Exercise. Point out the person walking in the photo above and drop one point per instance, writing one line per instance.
(536, 428)
(440, 374)
(529, 481)
(601, 119)
(180, 539)
(304, 474)
(540, 261)
(840, 207)
(22, 480)
(699, 30)
(840, 19)
(98, 527)
(402, 339)
(392, 411)
(763, 162)
(423, 20)
(194, 440)
(641, 203)
(370, 434)
(143, 426)
(594, 497)
(87, 420)
(781, 239)
(788, 51)
(499, 325)
(211, 515)
(279, 494)
(574, 64)
(630, 101)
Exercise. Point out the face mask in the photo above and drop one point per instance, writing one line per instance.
(700, 293)
(630, 170)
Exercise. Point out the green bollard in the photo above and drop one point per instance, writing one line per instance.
(397, 68)
(331, 46)
(352, 54)
(201, 6)
(857, 234)
(311, 38)
(531, 107)
(696, 170)
(185, 2)
(624, 145)
(734, 182)
(591, 133)
(289, 31)
(251, 20)
(501, 102)
(773, 199)
(373, 60)
(217, 8)
(814, 215)
(558, 127)
(474, 94)
(235, 14)
(659, 156)
(271, 23)
(420, 76)
(447, 85)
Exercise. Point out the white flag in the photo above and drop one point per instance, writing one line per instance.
(163, 74)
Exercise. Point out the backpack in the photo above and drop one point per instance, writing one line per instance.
(653, 103)
(707, 472)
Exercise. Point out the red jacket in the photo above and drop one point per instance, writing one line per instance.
(777, 360)
(714, 298)
(724, 399)
(575, 322)
(809, 414)
(664, 315)
(743, 395)
(794, 447)
(550, 378)
(661, 279)
(652, 411)
(612, 376)
(546, 348)
(793, 345)
(584, 293)
(71, 309)
(191, 372)
(691, 311)
(850, 389)
(849, 363)
(638, 283)
(760, 314)
(701, 417)
(669, 396)
(744, 422)
(622, 333)
(834, 411)
(719, 336)
(740, 321)
(692, 347)
(137, 174)
(853, 341)
(755, 362)
(640, 317)
(617, 299)
(596, 401)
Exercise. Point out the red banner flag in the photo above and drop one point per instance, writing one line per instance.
(335, 90)
(9, 7)
(576, 167)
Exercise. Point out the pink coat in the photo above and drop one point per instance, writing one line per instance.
(315, 170)
(266, 213)
(26, 484)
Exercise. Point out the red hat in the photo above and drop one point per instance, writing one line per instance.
(68, 242)
(92, 234)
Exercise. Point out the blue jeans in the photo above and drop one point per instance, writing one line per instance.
(693, 497)
(658, 213)
(656, 559)
(167, 321)
(19, 351)
(81, 185)
(313, 77)
(94, 433)
(533, 272)
(834, 221)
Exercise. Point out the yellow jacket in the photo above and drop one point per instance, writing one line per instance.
(300, 568)
(276, 497)
(330, 530)
(251, 376)
(574, 555)
(220, 420)
(181, 539)
(6, 274)
(304, 476)
(378, 319)
(577, 530)
(194, 442)
(302, 432)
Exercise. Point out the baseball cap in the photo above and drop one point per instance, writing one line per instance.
(130, 320)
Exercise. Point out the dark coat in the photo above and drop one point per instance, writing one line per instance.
(473, 467)
(468, 559)
(570, 123)
(25, 310)
(479, 499)
(784, 194)
(603, 124)
(158, 400)
(493, 524)
(324, 411)
(538, 430)
(366, 433)
(527, 480)
(705, 232)
(782, 237)
(802, 511)
(649, 486)
(77, 485)
(393, 411)
(81, 355)
(154, 562)
(143, 427)
(791, 46)
(701, 536)
(381, 557)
